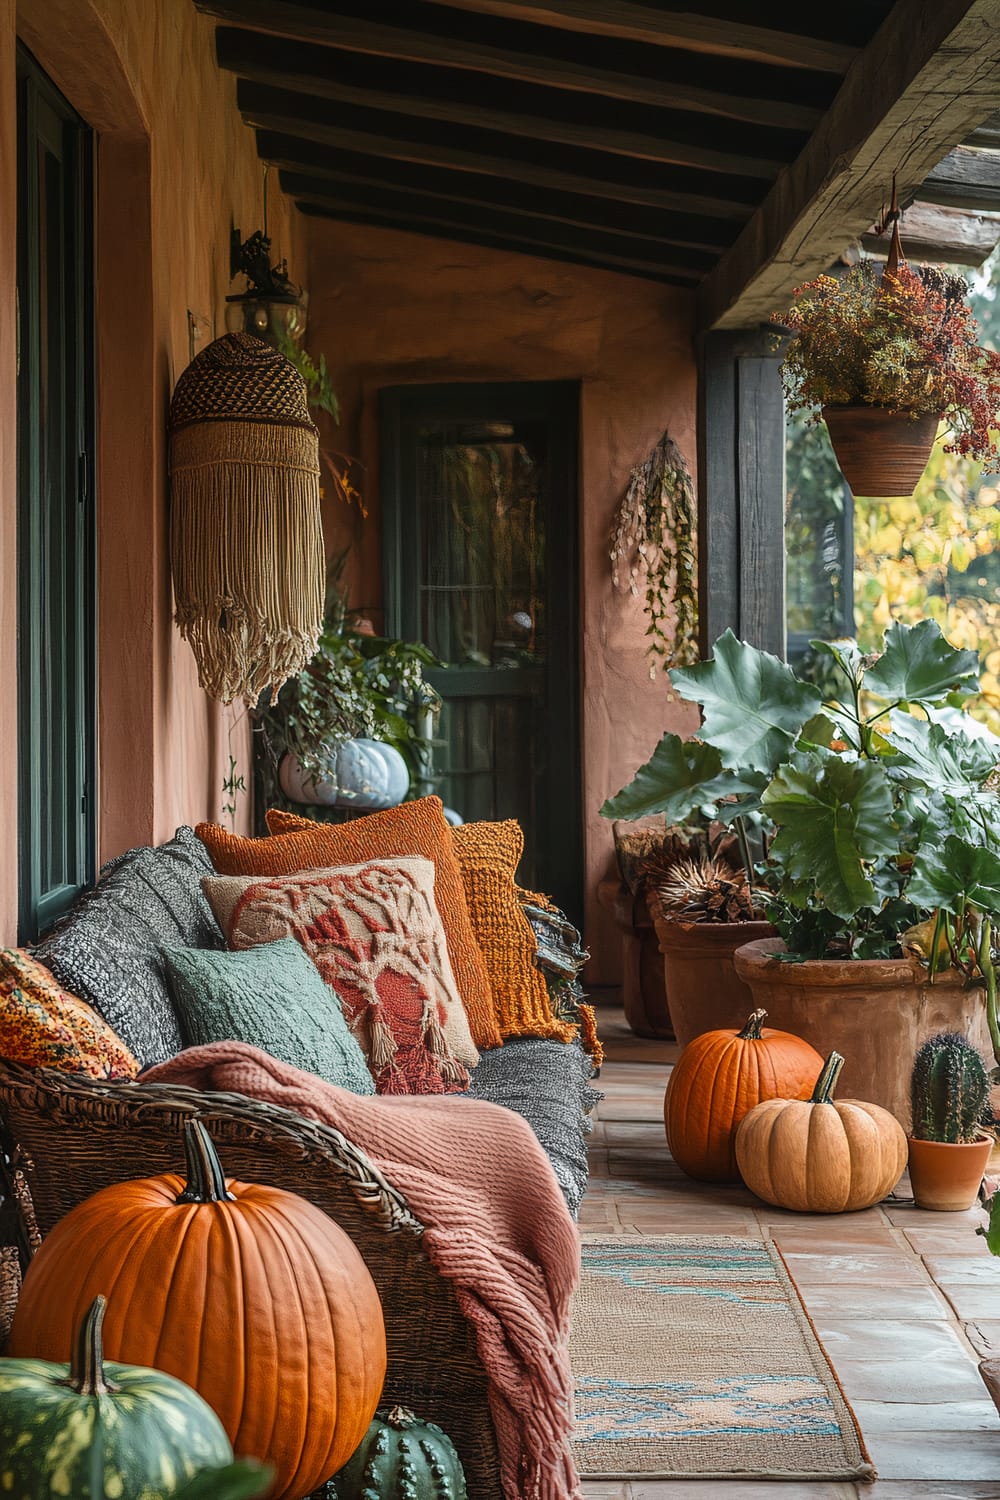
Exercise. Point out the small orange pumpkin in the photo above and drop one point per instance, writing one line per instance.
(249, 1294)
(820, 1157)
(717, 1079)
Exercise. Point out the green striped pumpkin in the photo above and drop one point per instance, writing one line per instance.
(95, 1432)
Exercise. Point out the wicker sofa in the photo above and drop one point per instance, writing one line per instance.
(63, 1136)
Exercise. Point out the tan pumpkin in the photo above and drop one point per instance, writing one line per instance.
(249, 1294)
(718, 1079)
(821, 1157)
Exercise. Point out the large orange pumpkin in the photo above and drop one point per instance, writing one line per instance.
(717, 1079)
(250, 1294)
(821, 1157)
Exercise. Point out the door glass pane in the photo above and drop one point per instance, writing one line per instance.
(481, 497)
(483, 541)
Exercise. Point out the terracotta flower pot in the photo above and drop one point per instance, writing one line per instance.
(881, 453)
(703, 989)
(876, 1012)
(946, 1176)
(644, 996)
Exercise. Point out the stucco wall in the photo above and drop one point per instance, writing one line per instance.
(389, 308)
(176, 168)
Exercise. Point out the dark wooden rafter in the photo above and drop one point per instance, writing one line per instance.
(458, 97)
(533, 230)
(825, 40)
(986, 135)
(965, 178)
(458, 231)
(790, 98)
(948, 236)
(329, 171)
(379, 133)
(930, 76)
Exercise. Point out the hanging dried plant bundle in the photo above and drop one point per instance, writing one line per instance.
(705, 890)
(654, 535)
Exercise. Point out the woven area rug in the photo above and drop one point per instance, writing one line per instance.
(694, 1356)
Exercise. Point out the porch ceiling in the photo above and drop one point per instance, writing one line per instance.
(635, 136)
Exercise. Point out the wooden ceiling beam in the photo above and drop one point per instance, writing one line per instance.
(305, 158)
(456, 230)
(948, 236)
(714, 28)
(965, 178)
(930, 76)
(542, 114)
(986, 135)
(789, 98)
(681, 191)
(534, 229)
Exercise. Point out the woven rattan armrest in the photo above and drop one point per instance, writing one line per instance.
(62, 1137)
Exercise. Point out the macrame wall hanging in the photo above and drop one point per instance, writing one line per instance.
(246, 539)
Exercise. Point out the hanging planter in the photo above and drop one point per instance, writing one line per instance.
(885, 356)
(880, 452)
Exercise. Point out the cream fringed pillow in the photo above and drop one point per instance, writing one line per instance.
(411, 830)
(374, 933)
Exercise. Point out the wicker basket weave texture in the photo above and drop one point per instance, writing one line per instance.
(74, 1136)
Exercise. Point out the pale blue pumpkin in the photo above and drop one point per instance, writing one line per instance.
(364, 774)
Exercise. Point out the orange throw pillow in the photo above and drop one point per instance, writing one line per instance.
(489, 854)
(413, 828)
(41, 1026)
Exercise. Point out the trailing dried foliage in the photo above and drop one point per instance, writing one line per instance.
(653, 536)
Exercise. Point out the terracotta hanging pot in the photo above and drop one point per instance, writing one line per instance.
(945, 1175)
(881, 453)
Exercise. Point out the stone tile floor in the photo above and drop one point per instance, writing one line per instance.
(905, 1302)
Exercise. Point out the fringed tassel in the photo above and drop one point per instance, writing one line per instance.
(383, 1057)
(247, 555)
(451, 1070)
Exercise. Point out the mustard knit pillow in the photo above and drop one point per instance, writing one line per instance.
(488, 854)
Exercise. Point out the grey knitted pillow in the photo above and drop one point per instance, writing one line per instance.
(107, 949)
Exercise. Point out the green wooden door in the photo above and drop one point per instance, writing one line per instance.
(56, 592)
(480, 513)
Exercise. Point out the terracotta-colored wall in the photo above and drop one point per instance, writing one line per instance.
(176, 168)
(389, 308)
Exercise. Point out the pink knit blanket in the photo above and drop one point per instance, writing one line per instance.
(495, 1224)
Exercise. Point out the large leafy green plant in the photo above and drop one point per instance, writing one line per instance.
(877, 812)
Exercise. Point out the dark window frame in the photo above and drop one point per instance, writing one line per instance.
(56, 517)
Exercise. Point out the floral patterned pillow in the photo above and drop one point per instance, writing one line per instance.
(374, 933)
(41, 1026)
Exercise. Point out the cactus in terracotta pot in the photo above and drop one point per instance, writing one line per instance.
(950, 1090)
(948, 1148)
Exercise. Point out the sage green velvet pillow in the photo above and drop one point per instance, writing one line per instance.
(272, 997)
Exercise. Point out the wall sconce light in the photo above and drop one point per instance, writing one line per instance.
(272, 308)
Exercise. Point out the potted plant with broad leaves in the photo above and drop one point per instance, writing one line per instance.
(883, 357)
(877, 820)
(949, 1148)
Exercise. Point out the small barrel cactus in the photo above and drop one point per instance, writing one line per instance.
(402, 1458)
(950, 1088)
